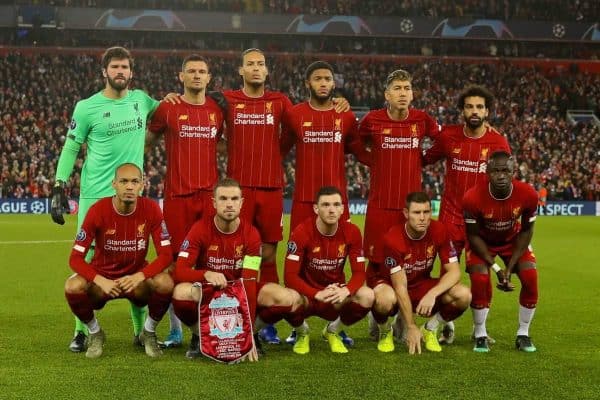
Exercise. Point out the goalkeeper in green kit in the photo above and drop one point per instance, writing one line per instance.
(112, 123)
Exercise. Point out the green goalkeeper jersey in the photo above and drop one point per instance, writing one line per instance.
(114, 131)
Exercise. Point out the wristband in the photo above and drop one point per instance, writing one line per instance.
(495, 267)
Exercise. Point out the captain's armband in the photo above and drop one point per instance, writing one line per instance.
(251, 262)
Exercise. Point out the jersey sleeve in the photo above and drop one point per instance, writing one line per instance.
(355, 145)
(80, 124)
(432, 128)
(470, 208)
(188, 256)
(158, 122)
(83, 242)
(393, 255)
(365, 130)
(288, 136)
(357, 260)
(162, 243)
(151, 104)
(445, 247)
(530, 208)
(298, 246)
(436, 151)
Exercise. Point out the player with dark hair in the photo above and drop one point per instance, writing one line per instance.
(410, 250)
(466, 149)
(394, 134)
(314, 268)
(499, 216)
(112, 123)
(192, 129)
(253, 146)
(121, 226)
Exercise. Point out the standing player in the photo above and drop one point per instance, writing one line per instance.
(221, 249)
(112, 123)
(499, 217)
(192, 128)
(253, 146)
(410, 250)
(314, 267)
(120, 226)
(395, 135)
(466, 149)
(322, 136)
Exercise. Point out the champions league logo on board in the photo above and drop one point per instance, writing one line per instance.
(225, 321)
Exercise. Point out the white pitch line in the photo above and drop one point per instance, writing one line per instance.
(34, 241)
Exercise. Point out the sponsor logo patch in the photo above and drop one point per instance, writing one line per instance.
(81, 235)
(292, 247)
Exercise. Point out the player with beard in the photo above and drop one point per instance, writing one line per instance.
(394, 134)
(191, 129)
(322, 136)
(112, 123)
(253, 129)
(466, 149)
(499, 217)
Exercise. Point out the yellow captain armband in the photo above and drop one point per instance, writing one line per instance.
(251, 262)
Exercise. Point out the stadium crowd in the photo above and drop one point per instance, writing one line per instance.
(37, 95)
(555, 10)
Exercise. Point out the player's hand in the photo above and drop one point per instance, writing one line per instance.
(426, 305)
(340, 104)
(108, 286)
(324, 295)
(504, 282)
(129, 283)
(216, 279)
(60, 203)
(413, 339)
(339, 294)
(220, 99)
(173, 98)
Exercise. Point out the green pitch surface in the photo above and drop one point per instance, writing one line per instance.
(36, 326)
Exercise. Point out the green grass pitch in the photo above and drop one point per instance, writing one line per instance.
(36, 326)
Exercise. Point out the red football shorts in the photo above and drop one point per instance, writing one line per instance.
(377, 223)
(302, 210)
(322, 310)
(264, 209)
(418, 290)
(181, 212)
(504, 252)
(376, 275)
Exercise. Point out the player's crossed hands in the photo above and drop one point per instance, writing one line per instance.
(108, 286)
(504, 282)
(129, 283)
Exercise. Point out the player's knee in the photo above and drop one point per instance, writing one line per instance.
(385, 298)
(76, 284)
(461, 295)
(163, 283)
(365, 297)
(183, 292)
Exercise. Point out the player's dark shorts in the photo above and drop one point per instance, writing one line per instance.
(264, 209)
(377, 223)
(181, 212)
(129, 296)
(302, 210)
(504, 252)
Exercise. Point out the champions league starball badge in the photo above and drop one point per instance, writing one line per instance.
(225, 321)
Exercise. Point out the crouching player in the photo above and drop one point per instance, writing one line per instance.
(217, 250)
(121, 226)
(499, 217)
(409, 252)
(314, 268)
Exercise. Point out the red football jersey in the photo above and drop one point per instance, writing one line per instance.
(121, 241)
(500, 220)
(416, 256)
(396, 154)
(314, 261)
(253, 138)
(206, 248)
(191, 135)
(466, 161)
(321, 139)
